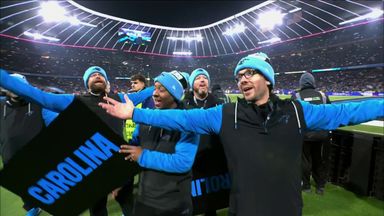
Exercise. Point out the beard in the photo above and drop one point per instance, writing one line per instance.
(202, 92)
(98, 87)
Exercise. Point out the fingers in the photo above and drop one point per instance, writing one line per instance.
(127, 149)
(106, 106)
(130, 157)
(132, 152)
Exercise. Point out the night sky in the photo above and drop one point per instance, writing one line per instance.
(171, 13)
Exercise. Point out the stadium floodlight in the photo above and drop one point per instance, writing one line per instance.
(183, 53)
(51, 11)
(73, 21)
(270, 19)
(270, 41)
(295, 10)
(375, 13)
(237, 29)
(188, 39)
(38, 36)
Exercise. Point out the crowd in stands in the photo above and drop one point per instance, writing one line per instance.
(47, 65)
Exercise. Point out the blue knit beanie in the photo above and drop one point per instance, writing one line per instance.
(197, 72)
(92, 70)
(172, 81)
(258, 61)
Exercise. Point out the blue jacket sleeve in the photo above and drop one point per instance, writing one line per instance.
(179, 162)
(138, 97)
(54, 102)
(135, 136)
(48, 116)
(200, 121)
(332, 116)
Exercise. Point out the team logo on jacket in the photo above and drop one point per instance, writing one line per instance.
(284, 119)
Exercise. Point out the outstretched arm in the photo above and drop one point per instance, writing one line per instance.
(54, 102)
(138, 97)
(200, 121)
(332, 116)
(48, 116)
(179, 162)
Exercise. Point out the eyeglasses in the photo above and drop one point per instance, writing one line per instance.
(248, 74)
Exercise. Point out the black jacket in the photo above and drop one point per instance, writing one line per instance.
(19, 123)
(260, 144)
(162, 190)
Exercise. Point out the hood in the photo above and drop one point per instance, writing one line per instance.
(307, 81)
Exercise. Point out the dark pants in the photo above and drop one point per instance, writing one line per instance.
(314, 163)
(124, 198)
(144, 210)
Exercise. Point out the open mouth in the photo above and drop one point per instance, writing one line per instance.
(157, 102)
(247, 89)
(98, 81)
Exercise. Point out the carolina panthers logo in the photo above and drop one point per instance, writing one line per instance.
(284, 119)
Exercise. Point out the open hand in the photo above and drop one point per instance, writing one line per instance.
(134, 152)
(118, 109)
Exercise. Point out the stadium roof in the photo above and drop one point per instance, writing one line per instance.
(71, 24)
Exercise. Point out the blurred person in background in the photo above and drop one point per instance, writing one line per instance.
(218, 93)
(316, 143)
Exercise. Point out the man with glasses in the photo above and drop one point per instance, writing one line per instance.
(261, 136)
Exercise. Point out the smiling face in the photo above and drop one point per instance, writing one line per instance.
(97, 83)
(255, 88)
(201, 86)
(162, 98)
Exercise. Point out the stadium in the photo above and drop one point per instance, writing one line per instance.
(53, 43)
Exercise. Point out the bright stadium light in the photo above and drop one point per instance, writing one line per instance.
(51, 11)
(73, 21)
(375, 13)
(270, 19)
(188, 39)
(237, 29)
(270, 41)
(183, 53)
(38, 36)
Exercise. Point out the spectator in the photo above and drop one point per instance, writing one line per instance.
(95, 80)
(261, 135)
(210, 159)
(166, 156)
(316, 144)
